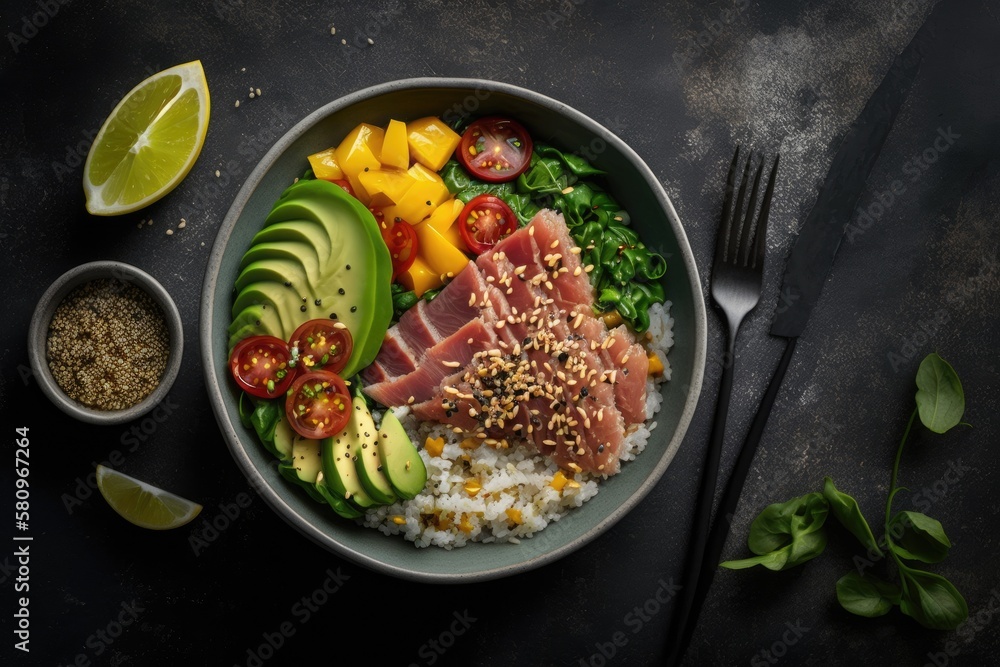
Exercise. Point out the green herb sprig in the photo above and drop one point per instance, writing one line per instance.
(788, 534)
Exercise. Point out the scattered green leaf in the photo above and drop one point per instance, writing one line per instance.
(846, 510)
(940, 398)
(866, 596)
(917, 536)
(932, 600)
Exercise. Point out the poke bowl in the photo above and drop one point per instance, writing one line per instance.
(470, 535)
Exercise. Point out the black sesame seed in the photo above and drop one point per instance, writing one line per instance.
(318, 302)
(302, 308)
(366, 168)
(600, 448)
(348, 267)
(304, 299)
(341, 291)
(288, 283)
(584, 392)
(563, 356)
(354, 309)
(625, 371)
(333, 316)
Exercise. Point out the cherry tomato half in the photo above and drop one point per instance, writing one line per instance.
(495, 149)
(345, 185)
(401, 239)
(484, 221)
(259, 365)
(322, 345)
(318, 404)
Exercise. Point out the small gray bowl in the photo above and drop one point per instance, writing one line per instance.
(39, 328)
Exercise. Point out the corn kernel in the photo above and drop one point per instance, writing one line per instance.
(472, 487)
(515, 516)
(655, 365)
(398, 519)
(558, 481)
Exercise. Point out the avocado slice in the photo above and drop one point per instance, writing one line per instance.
(305, 464)
(400, 459)
(366, 458)
(339, 471)
(329, 247)
(339, 505)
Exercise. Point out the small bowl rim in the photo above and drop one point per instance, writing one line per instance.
(42, 317)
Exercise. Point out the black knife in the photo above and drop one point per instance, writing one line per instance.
(806, 269)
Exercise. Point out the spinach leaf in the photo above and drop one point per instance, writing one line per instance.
(779, 524)
(786, 534)
(804, 548)
(455, 177)
(577, 165)
(917, 536)
(940, 399)
(846, 510)
(265, 418)
(932, 600)
(866, 596)
(246, 409)
(402, 301)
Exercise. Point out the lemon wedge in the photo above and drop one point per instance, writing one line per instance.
(149, 142)
(143, 504)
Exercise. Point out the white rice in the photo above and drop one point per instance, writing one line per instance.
(520, 492)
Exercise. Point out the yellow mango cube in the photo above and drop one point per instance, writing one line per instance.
(395, 149)
(431, 141)
(443, 220)
(359, 151)
(438, 253)
(385, 187)
(419, 201)
(324, 165)
(419, 277)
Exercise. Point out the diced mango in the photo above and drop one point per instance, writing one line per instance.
(434, 446)
(385, 187)
(655, 365)
(431, 142)
(419, 201)
(443, 220)
(420, 277)
(395, 149)
(558, 481)
(359, 151)
(422, 173)
(514, 515)
(324, 165)
(465, 525)
(438, 253)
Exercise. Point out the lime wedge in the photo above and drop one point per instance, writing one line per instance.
(149, 142)
(143, 504)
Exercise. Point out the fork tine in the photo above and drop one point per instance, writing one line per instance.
(727, 212)
(743, 258)
(733, 231)
(765, 209)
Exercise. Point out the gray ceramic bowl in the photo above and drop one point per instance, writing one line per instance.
(631, 182)
(39, 327)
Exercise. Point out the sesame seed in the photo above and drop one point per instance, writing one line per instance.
(237, 102)
(451, 364)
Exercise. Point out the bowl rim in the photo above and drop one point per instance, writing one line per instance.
(42, 316)
(228, 429)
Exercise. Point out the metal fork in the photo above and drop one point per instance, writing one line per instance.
(737, 275)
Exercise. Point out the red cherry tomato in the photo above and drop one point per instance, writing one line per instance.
(495, 149)
(259, 365)
(318, 404)
(484, 221)
(322, 345)
(401, 239)
(345, 184)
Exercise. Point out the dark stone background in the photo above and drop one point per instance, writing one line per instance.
(682, 83)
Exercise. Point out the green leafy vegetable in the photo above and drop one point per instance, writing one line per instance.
(787, 534)
(866, 596)
(402, 300)
(932, 600)
(846, 509)
(919, 537)
(246, 409)
(940, 398)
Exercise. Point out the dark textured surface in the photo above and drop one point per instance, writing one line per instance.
(681, 83)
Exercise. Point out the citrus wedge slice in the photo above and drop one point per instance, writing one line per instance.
(149, 142)
(143, 504)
